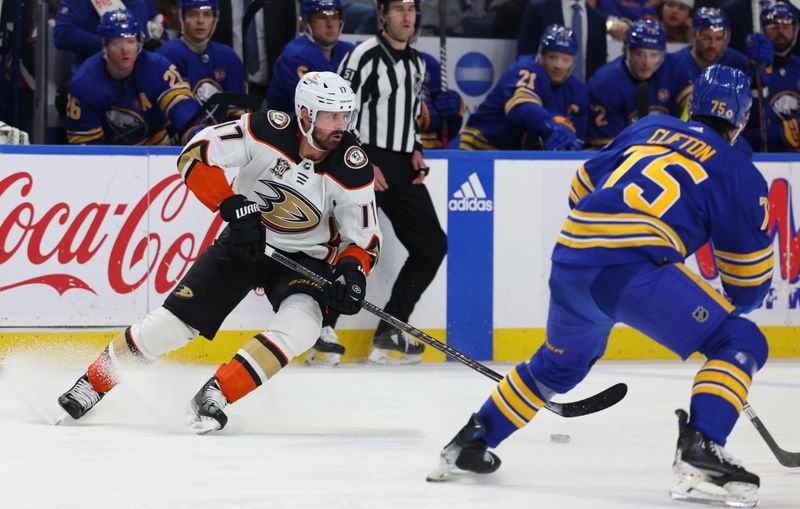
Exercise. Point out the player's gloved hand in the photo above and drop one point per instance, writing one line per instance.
(429, 118)
(562, 138)
(244, 219)
(12, 136)
(449, 104)
(760, 53)
(349, 286)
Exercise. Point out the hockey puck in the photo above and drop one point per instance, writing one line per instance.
(559, 439)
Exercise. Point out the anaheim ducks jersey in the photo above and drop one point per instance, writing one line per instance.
(659, 192)
(318, 208)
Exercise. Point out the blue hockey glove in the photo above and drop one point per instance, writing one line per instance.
(349, 286)
(760, 50)
(449, 104)
(562, 138)
(429, 118)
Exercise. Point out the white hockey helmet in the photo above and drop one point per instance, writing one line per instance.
(323, 91)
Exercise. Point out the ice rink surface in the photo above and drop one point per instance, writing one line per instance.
(361, 436)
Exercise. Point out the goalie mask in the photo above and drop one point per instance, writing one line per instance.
(324, 92)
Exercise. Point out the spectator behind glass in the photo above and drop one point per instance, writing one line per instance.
(362, 17)
(77, 20)
(125, 96)
(630, 10)
(536, 104)
(441, 110)
(317, 49)
(676, 16)
(636, 84)
(541, 14)
(779, 22)
(209, 67)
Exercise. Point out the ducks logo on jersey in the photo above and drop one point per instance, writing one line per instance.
(285, 210)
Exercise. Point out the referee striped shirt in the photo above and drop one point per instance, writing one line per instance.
(388, 88)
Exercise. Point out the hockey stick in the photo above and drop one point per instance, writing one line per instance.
(785, 458)
(762, 126)
(443, 60)
(590, 405)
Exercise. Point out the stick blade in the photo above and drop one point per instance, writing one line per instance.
(592, 404)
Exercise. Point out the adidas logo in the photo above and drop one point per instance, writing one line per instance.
(471, 197)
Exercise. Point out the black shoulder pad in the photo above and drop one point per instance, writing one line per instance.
(277, 129)
(349, 164)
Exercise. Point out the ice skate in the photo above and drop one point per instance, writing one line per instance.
(327, 350)
(79, 399)
(706, 473)
(205, 409)
(466, 452)
(393, 346)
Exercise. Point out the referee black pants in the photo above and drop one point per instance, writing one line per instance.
(410, 209)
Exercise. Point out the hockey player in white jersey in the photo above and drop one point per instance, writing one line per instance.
(305, 187)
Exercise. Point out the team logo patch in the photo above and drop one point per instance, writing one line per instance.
(285, 210)
(277, 119)
(355, 158)
(183, 292)
(219, 74)
(663, 94)
(280, 167)
(700, 314)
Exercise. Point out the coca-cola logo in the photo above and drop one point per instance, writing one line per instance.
(82, 232)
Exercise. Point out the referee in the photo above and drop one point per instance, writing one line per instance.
(386, 74)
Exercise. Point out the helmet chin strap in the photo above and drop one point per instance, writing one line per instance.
(308, 134)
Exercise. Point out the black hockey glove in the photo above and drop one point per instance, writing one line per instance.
(244, 218)
(349, 286)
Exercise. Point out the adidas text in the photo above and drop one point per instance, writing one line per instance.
(471, 205)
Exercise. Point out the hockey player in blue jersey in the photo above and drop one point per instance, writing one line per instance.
(442, 111)
(779, 25)
(634, 85)
(660, 191)
(711, 34)
(126, 96)
(317, 49)
(208, 66)
(535, 104)
(77, 22)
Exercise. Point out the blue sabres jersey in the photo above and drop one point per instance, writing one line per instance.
(300, 56)
(519, 106)
(431, 86)
(612, 98)
(218, 69)
(143, 109)
(686, 71)
(659, 192)
(781, 109)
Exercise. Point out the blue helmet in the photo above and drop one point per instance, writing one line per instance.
(722, 92)
(309, 7)
(711, 17)
(199, 4)
(646, 34)
(774, 11)
(120, 23)
(558, 38)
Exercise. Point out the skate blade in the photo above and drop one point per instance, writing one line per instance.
(732, 495)
(317, 358)
(60, 418)
(440, 473)
(392, 357)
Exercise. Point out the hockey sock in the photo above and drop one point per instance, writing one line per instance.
(255, 362)
(719, 393)
(103, 373)
(513, 403)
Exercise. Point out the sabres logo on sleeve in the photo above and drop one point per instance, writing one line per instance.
(355, 157)
(277, 119)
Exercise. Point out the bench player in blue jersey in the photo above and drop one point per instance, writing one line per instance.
(317, 49)
(208, 66)
(636, 84)
(126, 96)
(535, 104)
(442, 110)
(712, 33)
(640, 207)
(779, 25)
